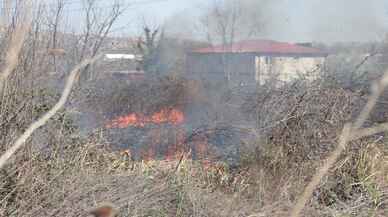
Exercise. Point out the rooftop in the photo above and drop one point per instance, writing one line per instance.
(269, 47)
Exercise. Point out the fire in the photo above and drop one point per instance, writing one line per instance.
(168, 142)
(165, 116)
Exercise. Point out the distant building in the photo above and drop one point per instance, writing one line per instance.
(122, 64)
(121, 56)
(255, 62)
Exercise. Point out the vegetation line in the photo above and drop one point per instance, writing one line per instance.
(74, 74)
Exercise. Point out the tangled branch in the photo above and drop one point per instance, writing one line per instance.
(74, 74)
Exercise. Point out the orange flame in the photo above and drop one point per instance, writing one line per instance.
(175, 147)
(172, 116)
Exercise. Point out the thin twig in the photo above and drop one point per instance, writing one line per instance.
(346, 136)
(42, 121)
(309, 190)
(17, 40)
(15, 115)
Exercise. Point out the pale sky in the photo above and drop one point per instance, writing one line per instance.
(157, 12)
(291, 20)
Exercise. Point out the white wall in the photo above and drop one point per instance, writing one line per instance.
(286, 69)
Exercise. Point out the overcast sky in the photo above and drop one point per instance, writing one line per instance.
(291, 20)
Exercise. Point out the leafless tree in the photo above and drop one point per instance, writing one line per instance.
(226, 21)
(149, 46)
(29, 89)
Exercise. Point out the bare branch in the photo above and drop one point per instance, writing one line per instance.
(42, 121)
(350, 130)
(16, 44)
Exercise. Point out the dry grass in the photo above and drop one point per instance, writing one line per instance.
(42, 121)
(67, 181)
(16, 43)
(350, 130)
(70, 174)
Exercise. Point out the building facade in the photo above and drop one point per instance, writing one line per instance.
(256, 62)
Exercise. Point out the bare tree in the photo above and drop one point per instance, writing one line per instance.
(226, 21)
(149, 46)
(32, 48)
(98, 24)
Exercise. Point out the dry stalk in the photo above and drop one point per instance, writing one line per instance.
(42, 121)
(350, 132)
(16, 44)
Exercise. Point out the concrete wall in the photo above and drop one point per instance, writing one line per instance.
(286, 69)
(238, 68)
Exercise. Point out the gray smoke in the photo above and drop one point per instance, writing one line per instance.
(302, 20)
(348, 20)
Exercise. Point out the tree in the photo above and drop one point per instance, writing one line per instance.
(226, 21)
(150, 47)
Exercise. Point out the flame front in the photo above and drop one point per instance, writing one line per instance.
(170, 142)
(165, 116)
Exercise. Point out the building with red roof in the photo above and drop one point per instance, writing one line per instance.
(256, 61)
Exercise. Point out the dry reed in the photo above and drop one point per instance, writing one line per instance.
(350, 132)
(15, 46)
(42, 121)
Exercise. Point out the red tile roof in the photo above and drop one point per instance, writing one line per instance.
(263, 46)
